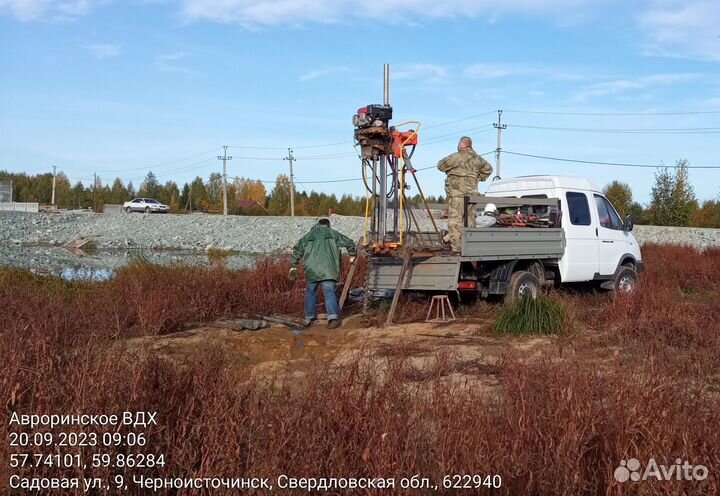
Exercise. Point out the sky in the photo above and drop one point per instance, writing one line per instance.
(119, 88)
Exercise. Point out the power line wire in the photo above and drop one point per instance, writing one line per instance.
(188, 167)
(162, 164)
(326, 157)
(307, 147)
(145, 167)
(338, 143)
(256, 147)
(200, 164)
(491, 112)
(543, 112)
(278, 159)
(690, 130)
(454, 136)
(592, 162)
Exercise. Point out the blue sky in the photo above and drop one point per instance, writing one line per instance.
(119, 88)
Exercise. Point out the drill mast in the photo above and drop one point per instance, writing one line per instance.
(385, 165)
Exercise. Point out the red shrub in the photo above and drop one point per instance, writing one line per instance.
(554, 426)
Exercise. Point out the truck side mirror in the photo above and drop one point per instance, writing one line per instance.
(629, 223)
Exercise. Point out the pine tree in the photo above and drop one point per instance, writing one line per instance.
(673, 198)
(149, 187)
(118, 193)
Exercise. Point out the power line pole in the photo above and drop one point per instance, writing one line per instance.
(499, 126)
(224, 158)
(188, 203)
(290, 159)
(52, 200)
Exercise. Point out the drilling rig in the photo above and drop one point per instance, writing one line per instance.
(386, 152)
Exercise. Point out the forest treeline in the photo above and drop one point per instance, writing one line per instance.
(672, 200)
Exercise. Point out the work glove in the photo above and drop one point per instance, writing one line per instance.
(293, 274)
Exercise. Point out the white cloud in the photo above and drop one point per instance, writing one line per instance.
(277, 12)
(682, 28)
(424, 72)
(712, 102)
(497, 71)
(33, 10)
(319, 73)
(489, 71)
(619, 86)
(171, 62)
(103, 51)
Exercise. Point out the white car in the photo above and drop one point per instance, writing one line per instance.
(147, 205)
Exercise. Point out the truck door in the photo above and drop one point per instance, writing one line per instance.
(580, 261)
(613, 240)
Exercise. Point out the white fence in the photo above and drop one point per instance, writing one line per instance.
(111, 208)
(19, 207)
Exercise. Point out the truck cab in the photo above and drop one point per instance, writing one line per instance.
(599, 244)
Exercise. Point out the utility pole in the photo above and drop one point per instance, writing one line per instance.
(94, 189)
(52, 200)
(224, 158)
(188, 203)
(290, 159)
(499, 126)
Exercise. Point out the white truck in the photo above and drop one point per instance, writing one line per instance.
(577, 237)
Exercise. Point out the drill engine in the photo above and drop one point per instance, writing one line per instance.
(372, 130)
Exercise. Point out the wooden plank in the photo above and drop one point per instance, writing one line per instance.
(398, 288)
(76, 243)
(350, 274)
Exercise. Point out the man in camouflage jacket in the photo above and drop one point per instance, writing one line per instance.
(464, 170)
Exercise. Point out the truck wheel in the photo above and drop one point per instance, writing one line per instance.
(522, 284)
(625, 281)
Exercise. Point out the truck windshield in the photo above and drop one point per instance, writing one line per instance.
(608, 217)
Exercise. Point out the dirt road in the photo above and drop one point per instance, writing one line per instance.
(464, 350)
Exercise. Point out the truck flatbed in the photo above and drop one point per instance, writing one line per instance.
(440, 270)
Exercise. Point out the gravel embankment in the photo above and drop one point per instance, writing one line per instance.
(182, 232)
(244, 234)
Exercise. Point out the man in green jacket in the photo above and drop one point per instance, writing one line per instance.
(320, 250)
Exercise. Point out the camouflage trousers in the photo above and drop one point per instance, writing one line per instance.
(456, 206)
(456, 187)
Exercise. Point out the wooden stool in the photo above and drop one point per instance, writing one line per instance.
(440, 302)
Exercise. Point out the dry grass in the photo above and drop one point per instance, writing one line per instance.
(556, 427)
